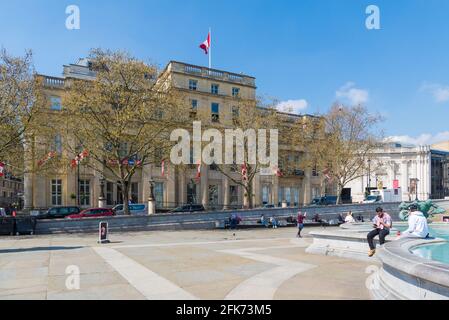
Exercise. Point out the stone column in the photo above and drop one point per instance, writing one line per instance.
(226, 193)
(307, 186)
(275, 191)
(205, 185)
(257, 191)
(171, 185)
(182, 187)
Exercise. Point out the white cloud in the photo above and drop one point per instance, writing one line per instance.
(293, 106)
(423, 139)
(349, 93)
(439, 92)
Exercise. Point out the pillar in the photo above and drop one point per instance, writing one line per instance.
(205, 185)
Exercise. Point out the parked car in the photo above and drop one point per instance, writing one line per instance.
(269, 206)
(134, 209)
(324, 201)
(59, 212)
(373, 199)
(189, 208)
(93, 213)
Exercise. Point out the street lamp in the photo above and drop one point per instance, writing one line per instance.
(368, 182)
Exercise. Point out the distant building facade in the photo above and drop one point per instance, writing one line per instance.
(420, 172)
(11, 191)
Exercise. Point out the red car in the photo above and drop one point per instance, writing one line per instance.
(93, 213)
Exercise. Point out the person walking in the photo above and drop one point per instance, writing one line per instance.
(382, 225)
(300, 221)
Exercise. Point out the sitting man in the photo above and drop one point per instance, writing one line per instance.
(382, 225)
(417, 224)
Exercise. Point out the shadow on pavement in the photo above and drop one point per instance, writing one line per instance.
(38, 249)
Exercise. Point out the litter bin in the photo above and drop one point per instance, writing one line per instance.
(7, 226)
(25, 225)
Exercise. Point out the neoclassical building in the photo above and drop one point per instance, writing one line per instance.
(420, 171)
(212, 91)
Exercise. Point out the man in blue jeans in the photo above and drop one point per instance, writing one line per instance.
(382, 225)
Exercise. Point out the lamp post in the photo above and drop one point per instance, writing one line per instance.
(368, 182)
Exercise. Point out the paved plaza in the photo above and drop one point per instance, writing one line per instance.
(214, 265)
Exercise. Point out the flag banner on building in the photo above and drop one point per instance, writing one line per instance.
(163, 168)
(79, 158)
(245, 172)
(327, 175)
(206, 44)
(277, 172)
(2, 169)
(47, 158)
(198, 172)
(395, 184)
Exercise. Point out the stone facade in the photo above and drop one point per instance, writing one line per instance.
(204, 89)
(404, 164)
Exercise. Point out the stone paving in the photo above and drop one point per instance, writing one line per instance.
(213, 265)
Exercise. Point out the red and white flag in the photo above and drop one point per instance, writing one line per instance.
(163, 168)
(47, 158)
(245, 172)
(278, 172)
(2, 169)
(83, 155)
(198, 174)
(206, 44)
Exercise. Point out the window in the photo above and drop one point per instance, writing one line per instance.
(123, 150)
(191, 194)
(215, 111)
(84, 192)
(57, 144)
(159, 193)
(235, 92)
(109, 193)
(135, 192)
(214, 88)
(194, 105)
(266, 191)
(295, 192)
(56, 103)
(234, 195)
(56, 192)
(213, 195)
(235, 113)
(193, 85)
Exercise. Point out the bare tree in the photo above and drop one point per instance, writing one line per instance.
(123, 118)
(340, 144)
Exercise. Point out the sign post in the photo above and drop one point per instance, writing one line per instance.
(103, 233)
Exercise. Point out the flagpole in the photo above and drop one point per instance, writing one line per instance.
(210, 49)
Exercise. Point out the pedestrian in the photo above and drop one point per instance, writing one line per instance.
(382, 225)
(264, 221)
(417, 224)
(300, 220)
(349, 218)
(274, 222)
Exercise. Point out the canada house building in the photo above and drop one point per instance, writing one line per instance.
(208, 90)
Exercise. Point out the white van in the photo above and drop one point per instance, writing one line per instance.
(134, 209)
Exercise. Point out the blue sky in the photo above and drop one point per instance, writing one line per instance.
(312, 52)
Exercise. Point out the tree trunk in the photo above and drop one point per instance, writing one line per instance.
(125, 192)
(339, 190)
(248, 196)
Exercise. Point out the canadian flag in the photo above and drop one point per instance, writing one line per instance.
(198, 175)
(47, 158)
(245, 172)
(206, 44)
(2, 169)
(279, 172)
(163, 168)
(83, 155)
